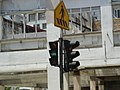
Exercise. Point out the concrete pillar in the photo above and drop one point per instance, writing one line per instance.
(107, 25)
(101, 85)
(37, 88)
(76, 81)
(2, 88)
(53, 78)
(1, 28)
(53, 34)
(92, 83)
(66, 81)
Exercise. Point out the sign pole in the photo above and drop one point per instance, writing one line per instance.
(61, 20)
(61, 58)
(61, 62)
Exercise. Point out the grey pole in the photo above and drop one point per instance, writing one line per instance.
(61, 57)
(61, 61)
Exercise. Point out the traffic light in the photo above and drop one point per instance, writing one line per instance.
(53, 53)
(69, 55)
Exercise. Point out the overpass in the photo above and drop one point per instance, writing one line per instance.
(24, 56)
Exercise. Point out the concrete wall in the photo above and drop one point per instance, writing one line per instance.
(23, 61)
(23, 44)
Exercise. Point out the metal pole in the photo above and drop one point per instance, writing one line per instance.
(61, 60)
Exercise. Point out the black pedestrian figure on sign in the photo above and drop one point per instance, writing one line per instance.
(62, 12)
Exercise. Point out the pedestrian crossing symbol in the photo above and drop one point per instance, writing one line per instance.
(61, 17)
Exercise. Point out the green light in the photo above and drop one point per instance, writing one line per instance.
(54, 53)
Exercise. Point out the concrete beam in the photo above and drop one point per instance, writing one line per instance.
(31, 5)
(27, 75)
(24, 79)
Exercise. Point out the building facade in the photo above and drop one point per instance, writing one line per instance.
(26, 31)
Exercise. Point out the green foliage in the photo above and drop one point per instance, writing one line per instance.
(7, 88)
(17, 88)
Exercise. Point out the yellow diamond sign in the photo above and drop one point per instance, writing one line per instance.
(61, 17)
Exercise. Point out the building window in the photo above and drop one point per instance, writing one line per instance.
(44, 26)
(7, 26)
(41, 16)
(117, 13)
(116, 17)
(22, 25)
(18, 24)
(116, 23)
(38, 25)
(96, 19)
(32, 17)
(85, 19)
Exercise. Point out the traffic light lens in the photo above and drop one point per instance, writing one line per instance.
(74, 54)
(73, 65)
(53, 53)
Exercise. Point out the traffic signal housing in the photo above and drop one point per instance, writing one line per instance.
(53, 53)
(69, 55)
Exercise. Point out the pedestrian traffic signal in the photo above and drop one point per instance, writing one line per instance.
(69, 55)
(53, 53)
